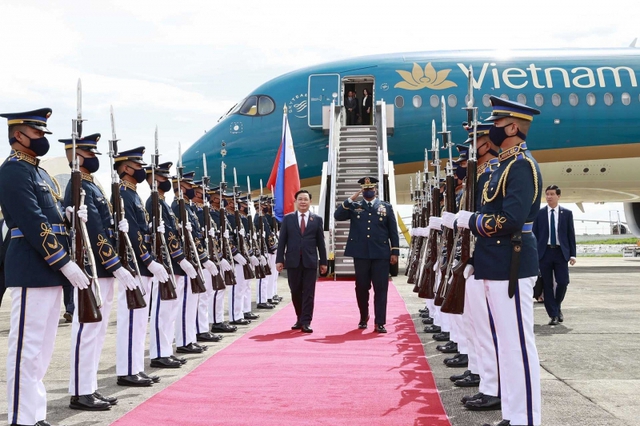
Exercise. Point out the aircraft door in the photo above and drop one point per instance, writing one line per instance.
(321, 90)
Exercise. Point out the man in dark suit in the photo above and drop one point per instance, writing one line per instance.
(556, 248)
(351, 105)
(301, 242)
(374, 245)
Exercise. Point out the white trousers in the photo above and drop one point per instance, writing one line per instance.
(185, 331)
(87, 341)
(262, 288)
(204, 301)
(32, 333)
(236, 295)
(518, 356)
(216, 305)
(246, 296)
(131, 332)
(163, 320)
(272, 283)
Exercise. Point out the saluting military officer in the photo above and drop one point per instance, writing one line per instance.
(87, 339)
(373, 243)
(506, 258)
(37, 264)
(132, 323)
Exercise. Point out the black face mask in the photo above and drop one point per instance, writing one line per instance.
(499, 134)
(91, 164)
(461, 172)
(164, 186)
(139, 175)
(369, 193)
(489, 151)
(190, 193)
(39, 145)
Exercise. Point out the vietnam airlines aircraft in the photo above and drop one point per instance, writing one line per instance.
(587, 138)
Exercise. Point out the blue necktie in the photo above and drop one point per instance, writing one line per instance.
(552, 228)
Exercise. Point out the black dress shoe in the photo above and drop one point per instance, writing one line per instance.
(460, 376)
(380, 328)
(133, 380)
(307, 329)
(363, 322)
(273, 302)
(424, 314)
(223, 327)
(165, 362)
(424, 311)
(265, 306)
(153, 378)
(278, 298)
(42, 423)
(446, 360)
(502, 423)
(427, 321)
(554, 321)
(461, 361)
(251, 316)
(472, 380)
(198, 345)
(468, 398)
(110, 399)
(88, 403)
(485, 403)
(432, 329)
(449, 348)
(189, 349)
(182, 360)
(68, 317)
(296, 326)
(441, 337)
(560, 316)
(241, 321)
(208, 337)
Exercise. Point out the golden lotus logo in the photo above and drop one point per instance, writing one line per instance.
(428, 78)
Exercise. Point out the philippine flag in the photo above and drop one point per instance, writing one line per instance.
(284, 179)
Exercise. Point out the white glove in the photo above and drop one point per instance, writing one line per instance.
(463, 219)
(435, 266)
(158, 271)
(82, 213)
(211, 267)
(240, 259)
(448, 219)
(226, 234)
(188, 226)
(468, 271)
(435, 223)
(161, 227)
(123, 226)
(188, 268)
(412, 232)
(75, 275)
(212, 233)
(254, 260)
(224, 265)
(125, 278)
(263, 260)
(241, 231)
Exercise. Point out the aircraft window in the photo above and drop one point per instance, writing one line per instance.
(452, 100)
(538, 99)
(485, 100)
(556, 100)
(399, 101)
(626, 98)
(434, 100)
(504, 96)
(591, 99)
(265, 105)
(608, 99)
(249, 106)
(573, 99)
(417, 101)
(522, 98)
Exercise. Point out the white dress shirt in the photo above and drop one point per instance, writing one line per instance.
(556, 218)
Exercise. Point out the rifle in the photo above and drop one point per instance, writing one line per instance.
(88, 301)
(229, 276)
(211, 243)
(191, 253)
(411, 265)
(159, 246)
(135, 297)
(261, 270)
(454, 299)
(261, 237)
(248, 271)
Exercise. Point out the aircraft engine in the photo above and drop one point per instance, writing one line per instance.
(632, 214)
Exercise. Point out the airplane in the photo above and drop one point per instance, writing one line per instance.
(586, 139)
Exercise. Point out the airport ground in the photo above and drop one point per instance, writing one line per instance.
(590, 365)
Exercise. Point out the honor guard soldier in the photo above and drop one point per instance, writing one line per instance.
(265, 284)
(243, 208)
(87, 339)
(37, 264)
(506, 258)
(373, 243)
(164, 312)
(273, 246)
(132, 323)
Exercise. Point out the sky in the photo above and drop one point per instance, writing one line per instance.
(180, 66)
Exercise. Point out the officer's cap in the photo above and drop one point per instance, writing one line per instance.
(212, 191)
(186, 177)
(482, 130)
(161, 170)
(88, 143)
(368, 182)
(464, 153)
(134, 155)
(504, 108)
(36, 118)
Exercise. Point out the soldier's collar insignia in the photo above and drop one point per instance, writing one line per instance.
(129, 185)
(87, 176)
(512, 151)
(23, 156)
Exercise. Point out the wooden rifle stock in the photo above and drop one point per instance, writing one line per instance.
(242, 247)
(428, 276)
(263, 244)
(212, 249)
(229, 276)
(257, 249)
(197, 283)
(168, 287)
(418, 256)
(448, 249)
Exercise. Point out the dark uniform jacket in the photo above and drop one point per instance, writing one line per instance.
(98, 226)
(171, 235)
(373, 232)
(511, 201)
(39, 247)
(196, 231)
(269, 238)
(484, 173)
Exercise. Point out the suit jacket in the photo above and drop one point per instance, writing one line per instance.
(566, 231)
(353, 104)
(294, 247)
(368, 103)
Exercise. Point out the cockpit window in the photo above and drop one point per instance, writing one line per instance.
(255, 105)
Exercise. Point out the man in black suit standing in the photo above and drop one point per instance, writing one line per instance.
(351, 105)
(556, 237)
(300, 244)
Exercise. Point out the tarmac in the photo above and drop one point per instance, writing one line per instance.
(589, 364)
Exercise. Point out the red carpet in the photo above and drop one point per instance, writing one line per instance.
(338, 375)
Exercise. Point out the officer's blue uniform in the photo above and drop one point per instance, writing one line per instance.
(373, 238)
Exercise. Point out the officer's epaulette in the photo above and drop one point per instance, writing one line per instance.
(87, 177)
(128, 185)
(481, 169)
(513, 151)
(519, 154)
(22, 156)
